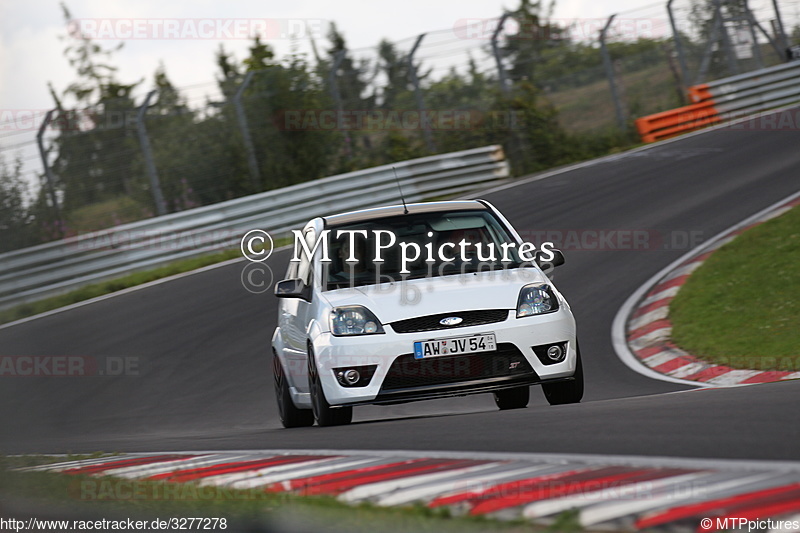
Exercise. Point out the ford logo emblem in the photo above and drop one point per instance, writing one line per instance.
(451, 321)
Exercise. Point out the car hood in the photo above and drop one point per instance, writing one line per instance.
(429, 296)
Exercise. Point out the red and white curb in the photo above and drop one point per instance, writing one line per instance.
(648, 329)
(628, 493)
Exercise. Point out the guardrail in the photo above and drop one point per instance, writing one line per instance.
(726, 99)
(57, 267)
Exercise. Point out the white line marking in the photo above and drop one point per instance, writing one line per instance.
(734, 377)
(666, 293)
(660, 358)
(655, 336)
(684, 270)
(549, 458)
(688, 370)
(614, 510)
(141, 471)
(372, 490)
(287, 474)
(585, 499)
(659, 313)
(463, 485)
(144, 470)
(59, 467)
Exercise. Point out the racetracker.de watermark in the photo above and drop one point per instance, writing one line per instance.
(69, 366)
(562, 29)
(215, 29)
(615, 239)
(199, 240)
(398, 120)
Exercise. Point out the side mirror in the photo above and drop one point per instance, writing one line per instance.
(556, 261)
(293, 288)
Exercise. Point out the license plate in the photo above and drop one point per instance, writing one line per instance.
(455, 346)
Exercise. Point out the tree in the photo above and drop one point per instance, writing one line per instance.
(15, 218)
(278, 93)
(534, 36)
(181, 164)
(397, 90)
(97, 146)
(350, 74)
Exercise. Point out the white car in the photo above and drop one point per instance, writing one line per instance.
(450, 322)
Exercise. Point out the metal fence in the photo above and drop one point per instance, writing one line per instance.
(59, 266)
(261, 127)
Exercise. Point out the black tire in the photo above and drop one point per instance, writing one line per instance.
(565, 392)
(516, 398)
(324, 414)
(291, 416)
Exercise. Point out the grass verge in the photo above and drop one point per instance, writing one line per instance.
(78, 497)
(124, 282)
(113, 285)
(741, 308)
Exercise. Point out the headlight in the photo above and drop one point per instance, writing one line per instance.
(536, 300)
(354, 320)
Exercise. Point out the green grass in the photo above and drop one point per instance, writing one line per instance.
(589, 108)
(117, 284)
(102, 215)
(741, 308)
(91, 498)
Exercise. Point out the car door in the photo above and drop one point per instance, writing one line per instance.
(295, 315)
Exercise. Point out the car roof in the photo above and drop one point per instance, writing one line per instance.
(399, 210)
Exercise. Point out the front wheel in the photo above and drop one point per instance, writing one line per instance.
(516, 398)
(291, 416)
(324, 414)
(565, 392)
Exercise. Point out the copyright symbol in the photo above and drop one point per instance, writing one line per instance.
(706, 523)
(256, 278)
(253, 238)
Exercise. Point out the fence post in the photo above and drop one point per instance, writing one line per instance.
(733, 62)
(147, 152)
(412, 69)
(48, 173)
(779, 49)
(678, 47)
(612, 82)
(702, 71)
(337, 96)
(783, 44)
(252, 162)
(501, 71)
(750, 20)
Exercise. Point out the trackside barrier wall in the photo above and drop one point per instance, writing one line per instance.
(57, 267)
(726, 99)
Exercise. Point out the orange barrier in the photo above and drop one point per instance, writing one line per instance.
(670, 123)
(700, 93)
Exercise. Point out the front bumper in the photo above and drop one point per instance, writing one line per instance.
(513, 364)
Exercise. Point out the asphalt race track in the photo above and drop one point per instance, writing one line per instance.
(201, 342)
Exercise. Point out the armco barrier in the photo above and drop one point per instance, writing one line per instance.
(56, 267)
(726, 99)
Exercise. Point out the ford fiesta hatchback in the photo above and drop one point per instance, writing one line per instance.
(416, 302)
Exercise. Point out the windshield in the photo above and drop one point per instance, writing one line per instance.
(447, 243)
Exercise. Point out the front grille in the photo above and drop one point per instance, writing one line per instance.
(506, 361)
(431, 322)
